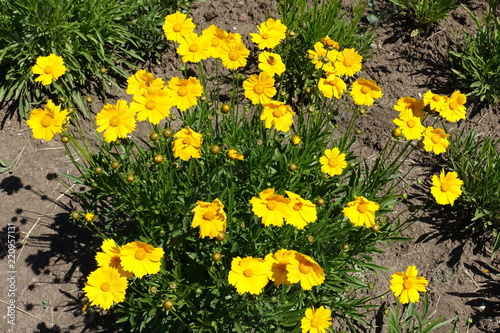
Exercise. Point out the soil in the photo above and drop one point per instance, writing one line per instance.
(52, 253)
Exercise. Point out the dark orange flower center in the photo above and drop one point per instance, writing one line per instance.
(182, 91)
(248, 272)
(215, 42)
(305, 266)
(362, 208)
(193, 48)
(271, 61)
(114, 121)
(233, 55)
(258, 88)
(436, 138)
(436, 98)
(453, 105)
(445, 187)
(47, 69)
(316, 322)
(365, 89)
(297, 206)
(348, 62)
(277, 113)
(209, 215)
(150, 105)
(410, 123)
(105, 286)
(46, 120)
(140, 254)
(271, 204)
(332, 163)
(265, 35)
(407, 285)
(187, 140)
(177, 27)
(115, 261)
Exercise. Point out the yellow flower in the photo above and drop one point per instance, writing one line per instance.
(323, 58)
(278, 263)
(361, 211)
(104, 286)
(270, 34)
(184, 92)
(249, 275)
(110, 257)
(89, 216)
(142, 80)
(446, 187)
(435, 140)
(210, 217)
(333, 162)
(329, 43)
(48, 68)
(316, 321)
(116, 121)
(303, 211)
(46, 123)
(411, 105)
(141, 258)
(271, 63)
(348, 62)
(187, 144)
(194, 48)
(296, 140)
(407, 285)
(435, 101)
(177, 26)
(234, 155)
(454, 108)
(277, 114)
(365, 91)
(332, 86)
(305, 270)
(272, 208)
(217, 38)
(153, 105)
(411, 126)
(234, 54)
(259, 88)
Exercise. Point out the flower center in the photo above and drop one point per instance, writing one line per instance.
(115, 261)
(407, 285)
(114, 121)
(265, 35)
(248, 272)
(436, 138)
(365, 89)
(233, 55)
(140, 254)
(105, 286)
(47, 69)
(150, 105)
(187, 140)
(277, 113)
(193, 48)
(362, 208)
(215, 42)
(271, 61)
(453, 105)
(316, 322)
(297, 206)
(46, 120)
(209, 215)
(445, 187)
(410, 123)
(182, 91)
(305, 267)
(332, 163)
(436, 98)
(271, 204)
(348, 62)
(177, 27)
(258, 88)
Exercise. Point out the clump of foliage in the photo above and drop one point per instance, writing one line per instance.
(425, 12)
(477, 61)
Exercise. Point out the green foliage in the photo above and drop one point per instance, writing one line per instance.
(425, 12)
(6, 166)
(88, 34)
(406, 319)
(477, 62)
(477, 162)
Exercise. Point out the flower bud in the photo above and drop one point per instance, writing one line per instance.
(225, 108)
(64, 139)
(158, 158)
(153, 136)
(168, 304)
(167, 133)
(215, 149)
(98, 170)
(130, 178)
(216, 256)
(292, 167)
(115, 164)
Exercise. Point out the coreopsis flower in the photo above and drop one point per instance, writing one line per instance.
(249, 275)
(332, 86)
(365, 91)
(141, 258)
(259, 88)
(184, 92)
(104, 286)
(305, 270)
(177, 26)
(406, 286)
(318, 54)
(329, 43)
(435, 101)
(153, 104)
(110, 257)
(194, 48)
(271, 63)
(446, 187)
(234, 54)
(361, 211)
(412, 105)
(217, 38)
(272, 208)
(435, 140)
(411, 126)
(316, 320)
(296, 140)
(89, 216)
(270, 34)
(348, 62)
(303, 211)
(48, 68)
(277, 114)
(210, 217)
(187, 144)
(333, 162)
(46, 123)
(116, 121)
(234, 155)
(278, 263)
(454, 108)
(141, 81)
